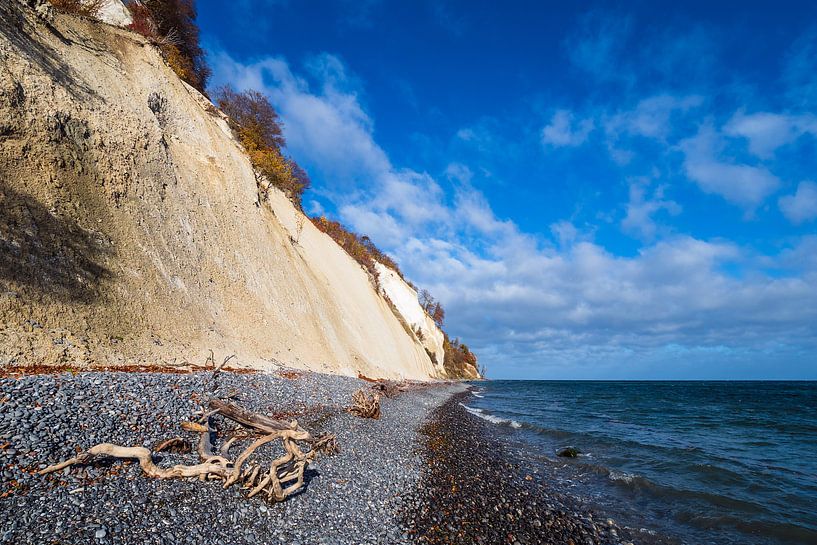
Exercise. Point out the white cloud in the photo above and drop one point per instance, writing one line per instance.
(651, 118)
(641, 208)
(767, 131)
(519, 298)
(562, 131)
(802, 206)
(565, 232)
(741, 184)
(327, 126)
(459, 173)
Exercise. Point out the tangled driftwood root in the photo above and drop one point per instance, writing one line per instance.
(388, 388)
(365, 405)
(283, 476)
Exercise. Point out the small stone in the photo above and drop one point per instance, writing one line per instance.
(100, 533)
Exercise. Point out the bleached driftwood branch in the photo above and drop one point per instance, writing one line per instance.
(281, 478)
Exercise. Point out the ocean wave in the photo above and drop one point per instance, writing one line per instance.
(491, 418)
(625, 477)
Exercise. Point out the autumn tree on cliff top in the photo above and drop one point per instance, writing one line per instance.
(258, 127)
(176, 24)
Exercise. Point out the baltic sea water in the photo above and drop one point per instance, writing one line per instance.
(720, 463)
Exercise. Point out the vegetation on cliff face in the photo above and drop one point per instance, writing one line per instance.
(359, 247)
(85, 8)
(258, 127)
(459, 360)
(432, 307)
(171, 24)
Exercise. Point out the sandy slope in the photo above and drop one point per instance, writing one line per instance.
(131, 230)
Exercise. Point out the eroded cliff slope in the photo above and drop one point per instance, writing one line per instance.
(131, 230)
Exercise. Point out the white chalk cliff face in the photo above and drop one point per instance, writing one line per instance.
(404, 299)
(114, 12)
(131, 229)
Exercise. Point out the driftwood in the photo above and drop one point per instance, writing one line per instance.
(176, 444)
(365, 405)
(281, 478)
(388, 388)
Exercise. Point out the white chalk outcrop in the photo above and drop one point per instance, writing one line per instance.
(404, 299)
(114, 12)
(131, 230)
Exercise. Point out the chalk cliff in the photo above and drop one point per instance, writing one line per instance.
(132, 231)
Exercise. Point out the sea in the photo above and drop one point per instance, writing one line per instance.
(694, 462)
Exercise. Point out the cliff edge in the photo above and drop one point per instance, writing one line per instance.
(132, 232)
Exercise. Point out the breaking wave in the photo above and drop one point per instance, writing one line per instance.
(492, 418)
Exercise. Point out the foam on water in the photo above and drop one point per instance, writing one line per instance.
(731, 463)
(492, 418)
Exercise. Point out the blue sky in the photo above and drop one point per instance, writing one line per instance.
(592, 192)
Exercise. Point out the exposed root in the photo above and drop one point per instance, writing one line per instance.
(284, 476)
(176, 445)
(326, 443)
(145, 461)
(365, 405)
(388, 388)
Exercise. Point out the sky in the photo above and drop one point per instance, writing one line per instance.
(593, 190)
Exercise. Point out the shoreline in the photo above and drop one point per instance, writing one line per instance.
(354, 496)
(426, 472)
(474, 490)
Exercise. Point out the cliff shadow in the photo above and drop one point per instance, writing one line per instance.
(51, 255)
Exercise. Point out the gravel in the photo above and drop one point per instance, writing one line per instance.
(352, 497)
(475, 491)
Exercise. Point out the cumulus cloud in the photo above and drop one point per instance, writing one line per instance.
(524, 299)
(802, 206)
(326, 125)
(766, 131)
(642, 206)
(651, 116)
(563, 131)
(741, 184)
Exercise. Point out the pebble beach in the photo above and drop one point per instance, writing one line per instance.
(350, 497)
(425, 472)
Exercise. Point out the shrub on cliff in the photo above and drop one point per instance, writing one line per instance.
(349, 241)
(86, 8)
(432, 307)
(258, 128)
(360, 247)
(459, 360)
(172, 23)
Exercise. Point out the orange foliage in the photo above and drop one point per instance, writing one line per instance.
(86, 8)
(433, 308)
(172, 24)
(360, 247)
(258, 127)
(141, 21)
(458, 358)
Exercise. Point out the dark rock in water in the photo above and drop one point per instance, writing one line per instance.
(568, 452)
